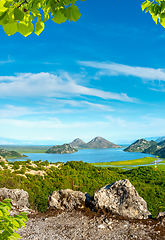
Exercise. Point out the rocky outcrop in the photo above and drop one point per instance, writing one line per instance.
(121, 198)
(67, 199)
(161, 214)
(61, 149)
(19, 197)
(2, 159)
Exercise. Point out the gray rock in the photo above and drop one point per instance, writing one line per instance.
(160, 214)
(67, 199)
(121, 198)
(19, 197)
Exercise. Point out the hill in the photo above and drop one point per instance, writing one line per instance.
(99, 142)
(10, 154)
(77, 143)
(160, 139)
(61, 149)
(140, 145)
(151, 147)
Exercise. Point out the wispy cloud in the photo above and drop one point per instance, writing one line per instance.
(108, 68)
(51, 85)
(6, 61)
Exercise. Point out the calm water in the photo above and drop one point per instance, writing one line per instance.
(87, 155)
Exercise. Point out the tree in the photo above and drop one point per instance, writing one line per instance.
(24, 16)
(156, 9)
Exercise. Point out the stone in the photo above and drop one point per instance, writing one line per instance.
(67, 199)
(2, 159)
(160, 214)
(19, 197)
(121, 198)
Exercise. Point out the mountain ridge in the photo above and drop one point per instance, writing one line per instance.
(97, 142)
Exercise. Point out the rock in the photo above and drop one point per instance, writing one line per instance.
(2, 159)
(68, 199)
(160, 214)
(121, 198)
(19, 197)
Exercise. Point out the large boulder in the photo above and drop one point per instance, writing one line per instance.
(19, 197)
(67, 199)
(121, 198)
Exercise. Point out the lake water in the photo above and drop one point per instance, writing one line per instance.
(86, 155)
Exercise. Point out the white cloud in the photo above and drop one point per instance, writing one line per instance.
(14, 111)
(51, 85)
(98, 106)
(108, 68)
(6, 61)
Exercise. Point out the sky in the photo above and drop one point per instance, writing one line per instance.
(103, 75)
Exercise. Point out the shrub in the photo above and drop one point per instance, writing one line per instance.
(8, 224)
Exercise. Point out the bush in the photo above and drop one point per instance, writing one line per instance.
(8, 224)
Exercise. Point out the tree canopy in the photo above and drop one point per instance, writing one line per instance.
(157, 10)
(26, 16)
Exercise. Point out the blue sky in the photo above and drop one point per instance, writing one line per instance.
(101, 76)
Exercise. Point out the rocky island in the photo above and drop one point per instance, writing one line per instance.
(62, 149)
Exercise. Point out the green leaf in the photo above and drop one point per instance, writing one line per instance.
(155, 18)
(14, 236)
(145, 4)
(162, 22)
(39, 27)
(10, 28)
(59, 17)
(163, 7)
(75, 14)
(18, 14)
(25, 29)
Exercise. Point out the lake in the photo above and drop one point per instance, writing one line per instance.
(86, 155)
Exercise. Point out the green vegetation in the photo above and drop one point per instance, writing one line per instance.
(21, 16)
(157, 9)
(135, 162)
(84, 177)
(25, 149)
(130, 164)
(8, 224)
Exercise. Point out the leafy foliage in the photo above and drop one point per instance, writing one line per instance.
(157, 10)
(8, 224)
(84, 177)
(24, 16)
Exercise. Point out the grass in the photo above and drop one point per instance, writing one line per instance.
(25, 149)
(129, 164)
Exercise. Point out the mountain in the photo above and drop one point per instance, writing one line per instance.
(99, 142)
(160, 152)
(160, 139)
(161, 144)
(61, 149)
(152, 149)
(139, 146)
(10, 154)
(77, 143)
